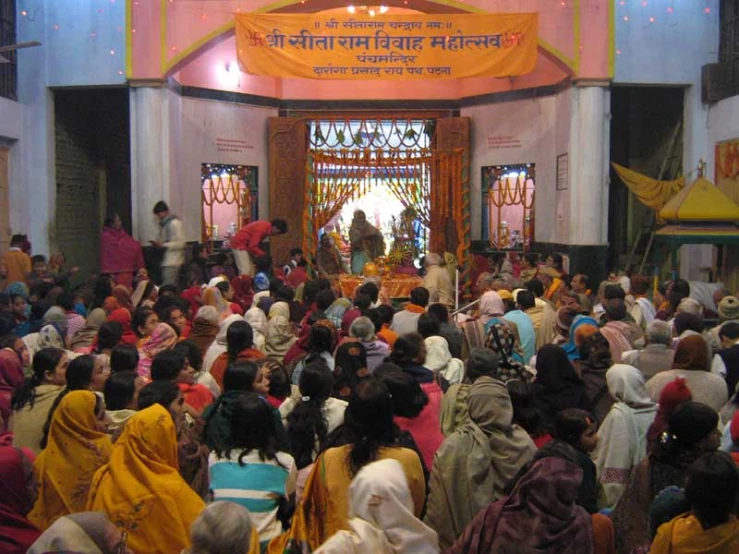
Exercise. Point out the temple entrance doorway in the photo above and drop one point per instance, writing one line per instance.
(388, 189)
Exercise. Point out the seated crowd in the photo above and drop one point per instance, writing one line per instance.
(234, 417)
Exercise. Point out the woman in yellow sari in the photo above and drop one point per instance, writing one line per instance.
(77, 447)
(369, 429)
(711, 525)
(141, 489)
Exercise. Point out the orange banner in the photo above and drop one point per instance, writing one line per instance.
(326, 47)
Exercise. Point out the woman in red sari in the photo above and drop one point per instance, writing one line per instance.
(17, 534)
(120, 255)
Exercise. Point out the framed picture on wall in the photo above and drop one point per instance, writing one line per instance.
(563, 174)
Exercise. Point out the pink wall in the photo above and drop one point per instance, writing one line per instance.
(186, 24)
(223, 215)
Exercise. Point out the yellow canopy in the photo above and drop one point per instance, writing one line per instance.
(701, 201)
(650, 192)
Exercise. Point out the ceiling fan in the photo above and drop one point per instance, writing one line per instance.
(18, 46)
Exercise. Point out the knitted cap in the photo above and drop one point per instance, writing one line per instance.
(674, 394)
(728, 308)
(734, 427)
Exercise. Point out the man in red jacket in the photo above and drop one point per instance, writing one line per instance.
(246, 243)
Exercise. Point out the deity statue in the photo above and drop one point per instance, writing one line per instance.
(365, 240)
(528, 227)
(516, 239)
(502, 236)
(406, 231)
(338, 238)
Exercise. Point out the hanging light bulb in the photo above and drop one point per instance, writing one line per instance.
(384, 9)
(372, 13)
(351, 9)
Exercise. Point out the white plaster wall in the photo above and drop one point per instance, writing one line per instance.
(589, 152)
(542, 127)
(563, 113)
(150, 158)
(194, 136)
(670, 51)
(723, 124)
(11, 130)
(85, 41)
(33, 176)
(82, 43)
(11, 120)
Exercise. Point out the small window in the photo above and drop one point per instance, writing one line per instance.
(230, 200)
(508, 194)
(8, 65)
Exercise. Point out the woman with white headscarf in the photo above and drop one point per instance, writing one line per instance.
(219, 345)
(280, 337)
(474, 331)
(491, 307)
(440, 360)
(382, 516)
(623, 433)
(258, 321)
(48, 337)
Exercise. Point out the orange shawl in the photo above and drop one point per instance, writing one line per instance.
(685, 535)
(219, 367)
(141, 489)
(75, 451)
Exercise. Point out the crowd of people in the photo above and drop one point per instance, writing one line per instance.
(225, 416)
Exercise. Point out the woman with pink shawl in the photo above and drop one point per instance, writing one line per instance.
(163, 338)
(120, 255)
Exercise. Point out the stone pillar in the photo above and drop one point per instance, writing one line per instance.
(588, 178)
(150, 158)
(696, 259)
(32, 193)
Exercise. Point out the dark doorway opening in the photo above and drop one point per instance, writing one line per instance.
(646, 136)
(93, 169)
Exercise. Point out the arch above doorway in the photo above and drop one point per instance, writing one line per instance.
(184, 49)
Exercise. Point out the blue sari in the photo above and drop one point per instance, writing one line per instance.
(570, 347)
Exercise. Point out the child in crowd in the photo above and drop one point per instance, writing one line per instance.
(579, 429)
(17, 261)
(252, 470)
(263, 265)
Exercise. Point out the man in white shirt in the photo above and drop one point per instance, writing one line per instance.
(172, 239)
(657, 356)
(406, 321)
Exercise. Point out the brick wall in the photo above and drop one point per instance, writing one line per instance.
(92, 170)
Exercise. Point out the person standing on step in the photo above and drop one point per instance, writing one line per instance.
(246, 244)
(172, 240)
